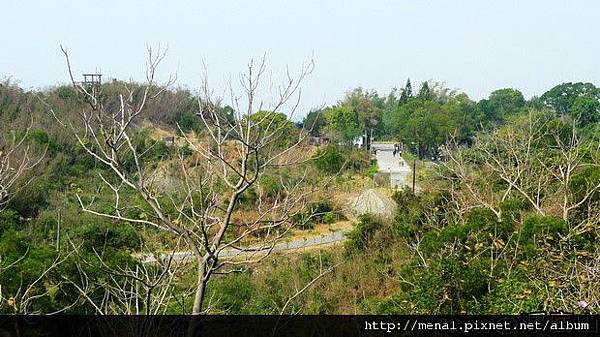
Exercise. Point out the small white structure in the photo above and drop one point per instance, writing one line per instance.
(358, 141)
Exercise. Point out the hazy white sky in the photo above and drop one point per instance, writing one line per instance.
(473, 45)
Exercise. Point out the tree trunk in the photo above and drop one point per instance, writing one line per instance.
(200, 287)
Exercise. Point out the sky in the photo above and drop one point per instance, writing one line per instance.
(476, 46)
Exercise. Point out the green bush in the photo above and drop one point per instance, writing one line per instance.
(160, 151)
(511, 215)
(185, 151)
(188, 121)
(234, 294)
(358, 160)
(9, 220)
(329, 217)
(248, 198)
(372, 169)
(100, 236)
(363, 232)
(302, 221)
(536, 225)
(66, 92)
(333, 159)
(33, 197)
(329, 159)
(525, 295)
(148, 149)
(320, 211)
(318, 208)
(270, 186)
(43, 140)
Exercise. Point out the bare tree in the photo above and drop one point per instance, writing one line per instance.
(131, 289)
(16, 159)
(573, 155)
(536, 158)
(23, 299)
(228, 160)
(470, 185)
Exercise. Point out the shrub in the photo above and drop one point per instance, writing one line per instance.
(160, 150)
(329, 217)
(525, 295)
(42, 140)
(360, 236)
(372, 169)
(329, 159)
(65, 92)
(320, 211)
(318, 208)
(32, 198)
(511, 213)
(185, 151)
(9, 220)
(358, 160)
(188, 121)
(234, 294)
(270, 186)
(248, 198)
(535, 225)
(302, 221)
(99, 236)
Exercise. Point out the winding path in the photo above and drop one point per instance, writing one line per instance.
(308, 242)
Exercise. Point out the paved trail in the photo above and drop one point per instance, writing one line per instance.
(282, 246)
(399, 171)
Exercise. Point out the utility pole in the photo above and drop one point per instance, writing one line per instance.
(414, 174)
(58, 230)
(415, 168)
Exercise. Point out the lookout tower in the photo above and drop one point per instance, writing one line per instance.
(91, 87)
(92, 80)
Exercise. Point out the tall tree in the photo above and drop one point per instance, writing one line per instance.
(406, 93)
(314, 122)
(562, 96)
(586, 110)
(424, 125)
(425, 92)
(343, 123)
(502, 104)
(563, 99)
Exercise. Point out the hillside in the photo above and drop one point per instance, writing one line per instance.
(505, 218)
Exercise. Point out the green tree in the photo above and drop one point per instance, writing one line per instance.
(368, 107)
(425, 92)
(314, 122)
(562, 97)
(465, 115)
(277, 125)
(343, 123)
(501, 104)
(586, 110)
(406, 93)
(423, 124)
